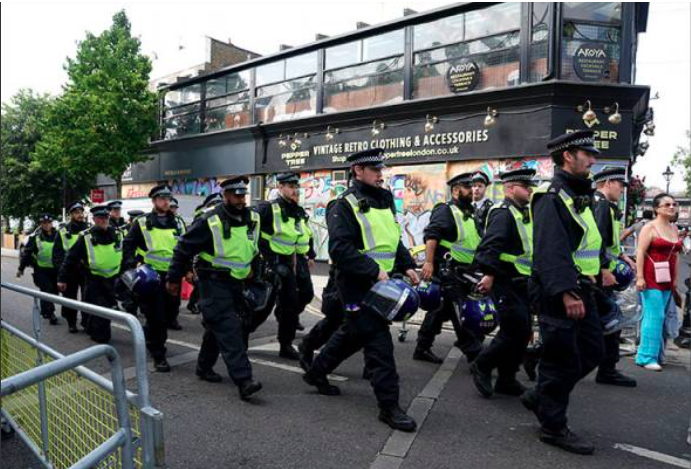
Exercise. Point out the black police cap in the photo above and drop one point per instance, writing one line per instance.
(100, 211)
(464, 179)
(160, 191)
(481, 176)
(288, 178)
(372, 157)
(611, 173)
(114, 204)
(135, 213)
(174, 202)
(212, 199)
(236, 185)
(581, 139)
(75, 206)
(522, 175)
(45, 217)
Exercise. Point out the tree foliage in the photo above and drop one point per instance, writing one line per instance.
(106, 115)
(682, 160)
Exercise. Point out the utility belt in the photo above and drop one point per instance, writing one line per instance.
(219, 275)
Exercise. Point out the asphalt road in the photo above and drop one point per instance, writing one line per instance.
(290, 426)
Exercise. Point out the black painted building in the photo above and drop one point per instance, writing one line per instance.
(469, 86)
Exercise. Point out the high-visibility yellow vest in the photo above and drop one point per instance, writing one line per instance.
(67, 238)
(44, 252)
(586, 257)
(467, 239)
(104, 259)
(303, 245)
(524, 261)
(614, 250)
(160, 244)
(286, 234)
(236, 252)
(380, 233)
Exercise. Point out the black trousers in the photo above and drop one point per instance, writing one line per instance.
(610, 358)
(155, 308)
(332, 308)
(194, 296)
(174, 310)
(73, 287)
(46, 279)
(221, 305)
(99, 291)
(570, 351)
(508, 346)
(363, 330)
(469, 342)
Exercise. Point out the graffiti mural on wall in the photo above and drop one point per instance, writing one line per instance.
(317, 189)
(200, 187)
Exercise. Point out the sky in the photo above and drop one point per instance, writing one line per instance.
(38, 36)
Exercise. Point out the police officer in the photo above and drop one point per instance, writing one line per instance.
(611, 183)
(155, 235)
(174, 311)
(480, 201)
(505, 258)
(133, 214)
(567, 256)
(365, 246)
(127, 299)
(209, 203)
(226, 243)
(115, 209)
(98, 251)
(285, 239)
(38, 253)
(452, 230)
(67, 236)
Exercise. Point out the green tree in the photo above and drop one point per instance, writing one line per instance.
(106, 115)
(28, 188)
(682, 160)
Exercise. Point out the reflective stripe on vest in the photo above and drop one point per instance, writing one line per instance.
(303, 245)
(159, 245)
(524, 261)
(614, 250)
(104, 259)
(44, 252)
(67, 239)
(380, 233)
(286, 234)
(238, 250)
(467, 240)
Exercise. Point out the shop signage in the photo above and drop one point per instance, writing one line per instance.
(462, 76)
(98, 196)
(591, 62)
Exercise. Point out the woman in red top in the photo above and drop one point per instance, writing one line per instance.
(657, 271)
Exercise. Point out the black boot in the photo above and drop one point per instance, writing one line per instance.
(248, 387)
(482, 380)
(509, 386)
(289, 352)
(530, 361)
(614, 378)
(306, 356)
(566, 440)
(72, 328)
(209, 375)
(397, 419)
(426, 355)
(52, 319)
(162, 365)
(322, 384)
(174, 325)
(529, 400)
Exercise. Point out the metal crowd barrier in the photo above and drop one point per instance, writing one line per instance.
(78, 408)
(41, 375)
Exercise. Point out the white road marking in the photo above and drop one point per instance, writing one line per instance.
(654, 455)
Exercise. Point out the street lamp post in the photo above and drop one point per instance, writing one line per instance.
(668, 174)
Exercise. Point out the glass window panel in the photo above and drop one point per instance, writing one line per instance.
(228, 84)
(230, 112)
(569, 48)
(190, 94)
(179, 126)
(436, 33)
(492, 20)
(540, 21)
(373, 84)
(176, 111)
(588, 32)
(383, 45)
(480, 46)
(343, 55)
(305, 64)
(288, 100)
(593, 11)
(270, 73)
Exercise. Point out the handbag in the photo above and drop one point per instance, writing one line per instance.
(663, 271)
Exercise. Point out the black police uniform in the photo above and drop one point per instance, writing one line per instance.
(295, 289)
(125, 296)
(45, 278)
(76, 282)
(174, 311)
(571, 348)
(155, 306)
(603, 211)
(509, 293)
(355, 275)
(482, 207)
(221, 301)
(97, 290)
(443, 226)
